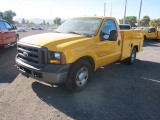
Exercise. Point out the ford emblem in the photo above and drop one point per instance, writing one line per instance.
(25, 54)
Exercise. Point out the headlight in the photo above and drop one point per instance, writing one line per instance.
(56, 57)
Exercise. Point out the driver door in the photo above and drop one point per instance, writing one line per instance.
(109, 51)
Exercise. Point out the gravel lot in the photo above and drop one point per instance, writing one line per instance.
(117, 91)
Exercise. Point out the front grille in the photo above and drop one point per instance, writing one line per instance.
(31, 54)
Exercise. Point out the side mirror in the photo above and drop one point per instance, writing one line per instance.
(113, 35)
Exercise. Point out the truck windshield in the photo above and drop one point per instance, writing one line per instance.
(81, 26)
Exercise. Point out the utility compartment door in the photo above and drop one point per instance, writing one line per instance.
(158, 35)
(126, 36)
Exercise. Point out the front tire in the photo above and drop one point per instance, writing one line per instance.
(79, 75)
(132, 58)
(145, 38)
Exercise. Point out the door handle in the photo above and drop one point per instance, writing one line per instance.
(119, 42)
(96, 46)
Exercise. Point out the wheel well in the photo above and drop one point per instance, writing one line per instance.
(90, 60)
(136, 47)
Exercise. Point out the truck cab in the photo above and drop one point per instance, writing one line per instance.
(151, 33)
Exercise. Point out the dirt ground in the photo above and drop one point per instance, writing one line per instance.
(117, 91)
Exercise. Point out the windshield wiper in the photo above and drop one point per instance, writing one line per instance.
(79, 34)
(74, 33)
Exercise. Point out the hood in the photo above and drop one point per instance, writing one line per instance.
(52, 40)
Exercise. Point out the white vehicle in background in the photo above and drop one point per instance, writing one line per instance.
(38, 27)
(21, 29)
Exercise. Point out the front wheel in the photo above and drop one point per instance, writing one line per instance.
(145, 38)
(132, 58)
(79, 75)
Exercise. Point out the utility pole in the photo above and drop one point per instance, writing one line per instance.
(104, 9)
(139, 13)
(124, 19)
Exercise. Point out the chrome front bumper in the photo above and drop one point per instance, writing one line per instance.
(52, 74)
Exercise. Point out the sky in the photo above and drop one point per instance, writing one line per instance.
(49, 9)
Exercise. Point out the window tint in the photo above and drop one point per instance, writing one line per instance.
(109, 25)
(124, 27)
(8, 26)
(2, 26)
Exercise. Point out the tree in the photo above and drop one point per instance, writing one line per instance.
(44, 22)
(8, 15)
(57, 21)
(155, 23)
(132, 20)
(32, 23)
(23, 21)
(16, 22)
(121, 21)
(27, 21)
(48, 23)
(1, 15)
(145, 21)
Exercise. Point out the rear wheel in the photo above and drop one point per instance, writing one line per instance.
(79, 75)
(132, 58)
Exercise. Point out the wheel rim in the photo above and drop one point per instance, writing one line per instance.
(133, 56)
(81, 76)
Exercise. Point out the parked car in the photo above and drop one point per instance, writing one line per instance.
(8, 34)
(37, 28)
(21, 29)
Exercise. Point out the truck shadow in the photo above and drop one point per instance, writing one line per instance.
(116, 91)
(151, 43)
(8, 71)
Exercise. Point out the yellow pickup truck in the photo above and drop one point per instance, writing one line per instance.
(150, 33)
(76, 49)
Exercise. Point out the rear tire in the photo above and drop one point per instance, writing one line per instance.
(79, 75)
(132, 58)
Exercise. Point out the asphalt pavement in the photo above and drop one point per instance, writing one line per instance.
(116, 91)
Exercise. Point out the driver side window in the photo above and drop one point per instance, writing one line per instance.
(108, 26)
(152, 30)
